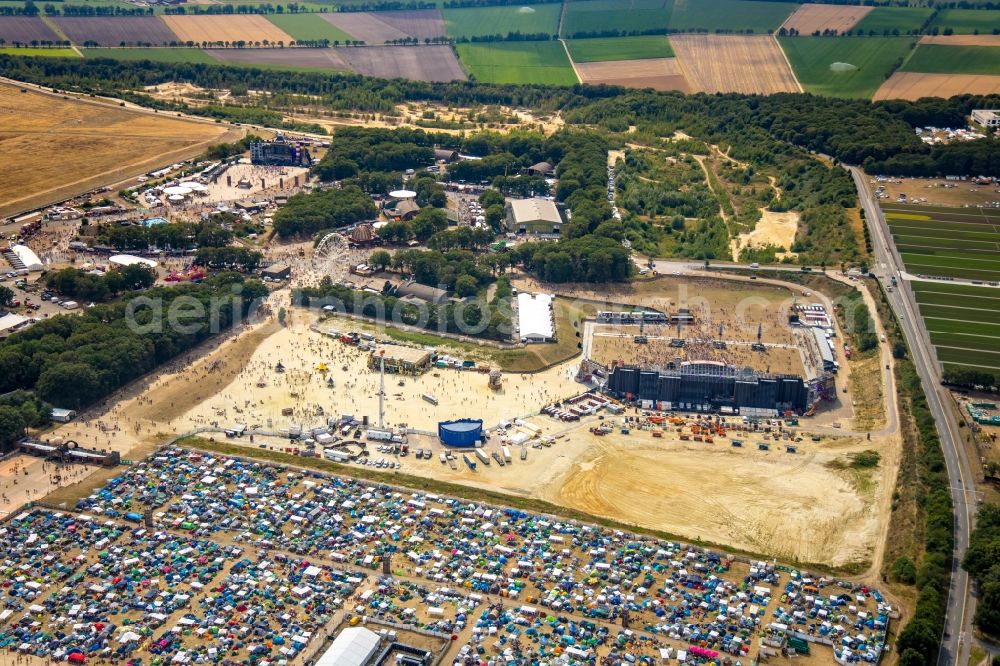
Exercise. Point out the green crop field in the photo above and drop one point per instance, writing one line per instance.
(963, 322)
(155, 54)
(883, 20)
(968, 21)
(45, 53)
(619, 48)
(308, 27)
(814, 58)
(938, 59)
(947, 242)
(734, 15)
(601, 16)
(518, 62)
(479, 21)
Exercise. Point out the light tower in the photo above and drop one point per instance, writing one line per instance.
(381, 390)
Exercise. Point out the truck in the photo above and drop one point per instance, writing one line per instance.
(506, 454)
(483, 458)
(469, 461)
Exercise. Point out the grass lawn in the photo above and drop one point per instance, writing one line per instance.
(938, 59)
(596, 16)
(307, 27)
(479, 21)
(619, 48)
(883, 20)
(735, 15)
(968, 21)
(154, 54)
(518, 62)
(47, 53)
(812, 57)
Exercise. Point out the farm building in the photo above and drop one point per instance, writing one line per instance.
(27, 258)
(706, 386)
(422, 292)
(464, 433)
(122, 260)
(986, 118)
(536, 322)
(400, 360)
(277, 272)
(354, 646)
(279, 152)
(535, 215)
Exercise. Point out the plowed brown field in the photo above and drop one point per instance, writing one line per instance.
(225, 28)
(656, 73)
(808, 19)
(913, 85)
(731, 63)
(961, 40)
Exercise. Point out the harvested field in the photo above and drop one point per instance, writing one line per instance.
(365, 26)
(218, 29)
(418, 63)
(56, 148)
(25, 29)
(656, 73)
(914, 85)
(961, 40)
(291, 58)
(116, 31)
(809, 19)
(421, 23)
(729, 63)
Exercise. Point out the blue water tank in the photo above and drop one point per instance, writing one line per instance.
(462, 433)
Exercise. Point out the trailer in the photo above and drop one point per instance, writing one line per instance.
(469, 461)
(483, 458)
(506, 454)
(524, 453)
(496, 456)
(427, 397)
(443, 458)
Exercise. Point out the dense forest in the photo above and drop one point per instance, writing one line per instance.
(982, 561)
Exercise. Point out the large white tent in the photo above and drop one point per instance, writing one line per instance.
(130, 260)
(353, 647)
(534, 315)
(27, 257)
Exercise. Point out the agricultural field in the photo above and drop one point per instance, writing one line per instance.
(947, 242)
(619, 48)
(961, 40)
(328, 59)
(419, 23)
(155, 54)
(308, 28)
(844, 66)
(914, 85)
(601, 16)
(367, 27)
(479, 21)
(518, 62)
(417, 63)
(968, 21)
(97, 144)
(963, 322)
(25, 30)
(116, 30)
(734, 63)
(40, 52)
(220, 29)
(936, 59)
(729, 15)
(656, 73)
(809, 19)
(886, 20)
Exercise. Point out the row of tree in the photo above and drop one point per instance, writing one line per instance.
(308, 213)
(86, 286)
(171, 236)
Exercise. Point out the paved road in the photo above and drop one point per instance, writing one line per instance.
(961, 605)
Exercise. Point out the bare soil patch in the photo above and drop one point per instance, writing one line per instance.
(419, 63)
(296, 57)
(751, 64)
(365, 26)
(223, 28)
(811, 18)
(776, 229)
(25, 29)
(913, 85)
(116, 30)
(961, 40)
(656, 73)
(419, 23)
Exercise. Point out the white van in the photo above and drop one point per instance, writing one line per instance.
(755, 265)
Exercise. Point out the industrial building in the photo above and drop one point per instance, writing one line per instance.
(463, 433)
(279, 152)
(986, 117)
(533, 216)
(400, 360)
(708, 386)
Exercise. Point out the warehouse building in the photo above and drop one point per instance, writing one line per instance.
(533, 216)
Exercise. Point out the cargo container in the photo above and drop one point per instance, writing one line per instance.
(506, 454)
(469, 461)
(483, 458)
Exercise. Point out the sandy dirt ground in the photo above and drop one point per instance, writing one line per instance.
(913, 85)
(808, 19)
(962, 40)
(225, 28)
(751, 64)
(772, 229)
(938, 191)
(656, 73)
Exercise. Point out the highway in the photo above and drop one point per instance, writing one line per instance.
(958, 636)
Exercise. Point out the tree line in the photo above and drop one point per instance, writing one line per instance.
(84, 285)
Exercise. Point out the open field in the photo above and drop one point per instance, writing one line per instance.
(479, 21)
(116, 30)
(810, 18)
(936, 59)
(25, 30)
(40, 52)
(914, 85)
(165, 54)
(729, 15)
(968, 21)
(600, 16)
(961, 40)
(55, 148)
(364, 26)
(419, 63)
(656, 73)
(731, 63)
(941, 192)
(886, 20)
(963, 322)
(518, 62)
(283, 58)
(619, 48)
(218, 29)
(947, 242)
(308, 27)
(417, 23)
(844, 66)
